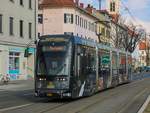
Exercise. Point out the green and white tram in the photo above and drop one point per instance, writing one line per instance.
(70, 66)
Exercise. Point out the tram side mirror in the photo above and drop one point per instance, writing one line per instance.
(35, 42)
(78, 54)
(26, 52)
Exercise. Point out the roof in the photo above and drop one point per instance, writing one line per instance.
(142, 46)
(57, 3)
(63, 3)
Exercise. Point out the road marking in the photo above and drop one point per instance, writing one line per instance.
(129, 104)
(15, 107)
(144, 105)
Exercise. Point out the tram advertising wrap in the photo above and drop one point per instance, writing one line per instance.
(71, 67)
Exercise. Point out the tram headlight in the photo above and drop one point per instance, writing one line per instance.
(41, 79)
(61, 79)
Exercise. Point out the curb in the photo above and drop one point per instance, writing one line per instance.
(144, 105)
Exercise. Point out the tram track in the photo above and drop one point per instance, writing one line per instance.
(53, 108)
(123, 107)
(125, 96)
(78, 101)
(82, 108)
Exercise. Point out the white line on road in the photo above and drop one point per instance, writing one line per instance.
(15, 107)
(144, 105)
(135, 98)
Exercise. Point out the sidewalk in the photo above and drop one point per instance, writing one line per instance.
(16, 82)
(17, 85)
(147, 110)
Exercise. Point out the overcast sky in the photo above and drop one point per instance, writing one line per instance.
(140, 9)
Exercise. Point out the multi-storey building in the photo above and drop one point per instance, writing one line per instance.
(67, 17)
(113, 6)
(144, 52)
(103, 26)
(17, 32)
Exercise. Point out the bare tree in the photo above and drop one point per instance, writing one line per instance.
(125, 36)
(132, 38)
(118, 32)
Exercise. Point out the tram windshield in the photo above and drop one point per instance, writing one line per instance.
(53, 58)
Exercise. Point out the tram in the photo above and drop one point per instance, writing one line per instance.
(71, 67)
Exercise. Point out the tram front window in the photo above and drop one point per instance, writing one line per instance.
(54, 59)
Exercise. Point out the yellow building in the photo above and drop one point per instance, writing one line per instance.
(103, 27)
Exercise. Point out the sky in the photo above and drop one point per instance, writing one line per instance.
(140, 9)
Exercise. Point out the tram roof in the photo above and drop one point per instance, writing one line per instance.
(84, 41)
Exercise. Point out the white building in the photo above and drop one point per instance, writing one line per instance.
(66, 16)
(17, 32)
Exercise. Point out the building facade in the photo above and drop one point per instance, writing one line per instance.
(17, 32)
(144, 52)
(113, 6)
(103, 26)
(66, 17)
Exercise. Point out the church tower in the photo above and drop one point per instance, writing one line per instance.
(113, 7)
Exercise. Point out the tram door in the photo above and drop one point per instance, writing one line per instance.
(122, 68)
(104, 67)
(129, 67)
(115, 71)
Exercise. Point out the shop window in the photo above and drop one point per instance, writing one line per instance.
(14, 62)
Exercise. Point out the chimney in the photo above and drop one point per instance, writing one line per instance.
(89, 8)
(76, 2)
(82, 5)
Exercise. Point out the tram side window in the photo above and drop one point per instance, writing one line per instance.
(104, 62)
(129, 64)
(114, 63)
(122, 66)
(91, 60)
(83, 60)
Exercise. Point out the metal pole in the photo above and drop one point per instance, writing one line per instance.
(100, 5)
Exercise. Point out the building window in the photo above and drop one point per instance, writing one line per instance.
(68, 18)
(86, 24)
(112, 6)
(11, 0)
(107, 33)
(21, 2)
(21, 28)
(40, 18)
(30, 4)
(68, 33)
(82, 22)
(14, 62)
(89, 26)
(1, 22)
(103, 31)
(39, 34)
(11, 25)
(78, 18)
(30, 30)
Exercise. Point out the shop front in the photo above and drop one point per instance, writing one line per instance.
(13, 62)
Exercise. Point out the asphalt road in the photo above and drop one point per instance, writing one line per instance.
(127, 98)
